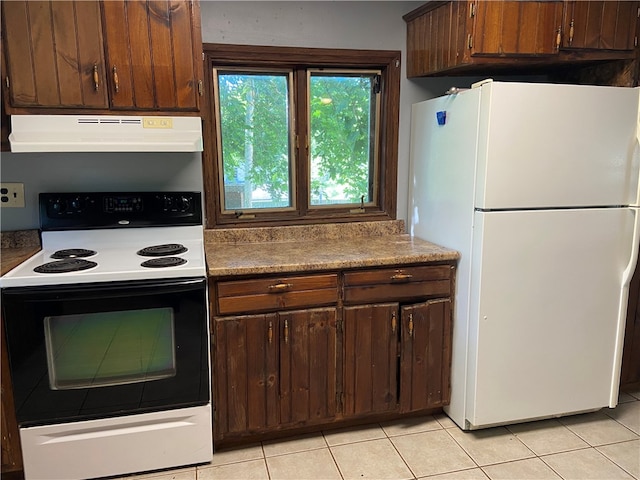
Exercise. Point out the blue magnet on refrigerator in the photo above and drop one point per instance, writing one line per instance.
(442, 117)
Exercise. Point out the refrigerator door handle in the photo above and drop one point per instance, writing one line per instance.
(627, 274)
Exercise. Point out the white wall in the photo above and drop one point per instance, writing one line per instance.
(92, 172)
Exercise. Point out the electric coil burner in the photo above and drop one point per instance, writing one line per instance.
(73, 253)
(162, 250)
(162, 262)
(107, 329)
(65, 266)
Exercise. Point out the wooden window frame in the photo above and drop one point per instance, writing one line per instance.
(248, 56)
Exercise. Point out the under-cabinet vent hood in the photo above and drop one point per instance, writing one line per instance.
(104, 133)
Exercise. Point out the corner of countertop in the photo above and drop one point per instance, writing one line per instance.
(20, 239)
(297, 233)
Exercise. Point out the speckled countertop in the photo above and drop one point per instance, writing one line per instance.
(253, 251)
(17, 247)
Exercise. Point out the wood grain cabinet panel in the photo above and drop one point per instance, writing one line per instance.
(274, 370)
(307, 365)
(243, 296)
(245, 374)
(329, 347)
(370, 358)
(600, 25)
(397, 284)
(54, 54)
(515, 28)
(132, 55)
(153, 54)
(425, 355)
(483, 36)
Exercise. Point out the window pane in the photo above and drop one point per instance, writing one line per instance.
(343, 114)
(254, 126)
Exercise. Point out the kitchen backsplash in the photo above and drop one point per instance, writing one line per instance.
(312, 233)
(93, 172)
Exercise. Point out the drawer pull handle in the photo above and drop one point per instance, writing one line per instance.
(279, 287)
(401, 277)
(270, 333)
(394, 322)
(96, 78)
(116, 79)
(286, 331)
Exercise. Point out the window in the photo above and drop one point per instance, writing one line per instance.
(297, 136)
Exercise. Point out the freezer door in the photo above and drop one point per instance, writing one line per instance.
(544, 145)
(544, 312)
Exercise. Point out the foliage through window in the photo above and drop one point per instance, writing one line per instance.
(296, 141)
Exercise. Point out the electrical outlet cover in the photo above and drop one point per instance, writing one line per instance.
(12, 195)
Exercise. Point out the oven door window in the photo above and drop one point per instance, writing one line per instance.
(111, 348)
(80, 352)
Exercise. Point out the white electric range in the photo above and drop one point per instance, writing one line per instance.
(108, 336)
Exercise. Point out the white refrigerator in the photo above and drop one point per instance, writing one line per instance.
(536, 185)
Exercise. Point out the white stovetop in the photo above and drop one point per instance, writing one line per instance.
(116, 258)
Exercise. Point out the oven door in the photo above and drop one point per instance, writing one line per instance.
(99, 350)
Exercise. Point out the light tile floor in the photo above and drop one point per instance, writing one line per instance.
(602, 445)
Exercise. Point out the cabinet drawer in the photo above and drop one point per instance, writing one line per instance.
(396, 284)
(243, 296)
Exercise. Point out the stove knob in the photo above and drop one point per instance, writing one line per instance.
(59, 206)
(184, 204)
(167, 201)
(77, 203)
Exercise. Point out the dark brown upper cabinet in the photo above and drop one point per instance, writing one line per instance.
(487, 36)
(121, 55)
(54, 54)
(600, 25)
(154, 54)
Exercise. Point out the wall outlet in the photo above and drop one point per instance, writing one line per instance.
(12, 195)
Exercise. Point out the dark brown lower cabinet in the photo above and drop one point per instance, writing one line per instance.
(272, 370)
(425, 355)
(396, 358)
(298, 351)
(370, 358)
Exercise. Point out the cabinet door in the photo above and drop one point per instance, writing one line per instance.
(516, 27)
(153, 53)
(54, 54)
(245, 373)
(370, 358)
(425, 360)
(602, 25)
(307, 365)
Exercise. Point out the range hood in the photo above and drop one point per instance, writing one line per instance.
(104, 133)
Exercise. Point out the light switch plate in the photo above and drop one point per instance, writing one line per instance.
(12, 195)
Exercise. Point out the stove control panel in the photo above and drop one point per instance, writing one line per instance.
(65, 211)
